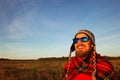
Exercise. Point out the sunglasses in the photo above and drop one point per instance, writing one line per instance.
(83, 39)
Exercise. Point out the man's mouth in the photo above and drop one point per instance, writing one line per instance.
(80, 47)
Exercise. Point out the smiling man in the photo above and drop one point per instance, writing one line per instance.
(87, 64)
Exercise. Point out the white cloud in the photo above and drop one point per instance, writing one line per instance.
(18, 48)
(108, 38)
(18, 29)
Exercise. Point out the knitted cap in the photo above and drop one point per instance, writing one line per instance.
(88, 33)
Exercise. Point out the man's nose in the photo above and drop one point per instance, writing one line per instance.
(79, 41)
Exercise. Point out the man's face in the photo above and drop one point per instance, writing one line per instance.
(83, 48)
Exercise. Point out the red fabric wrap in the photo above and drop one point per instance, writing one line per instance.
(80, 69)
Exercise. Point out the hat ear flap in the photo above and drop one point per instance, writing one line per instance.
(72, 47)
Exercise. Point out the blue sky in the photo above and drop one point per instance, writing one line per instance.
(31, 29)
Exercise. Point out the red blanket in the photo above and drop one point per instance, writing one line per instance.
(79, 69)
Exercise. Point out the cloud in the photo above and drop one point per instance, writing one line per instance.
(17, 29)
(17, 48)
(26, 18)
(108, 38)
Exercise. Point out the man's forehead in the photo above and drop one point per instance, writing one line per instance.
(81, 35)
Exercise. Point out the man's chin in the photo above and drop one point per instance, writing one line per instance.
(81, 54)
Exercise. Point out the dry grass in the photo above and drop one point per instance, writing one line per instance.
(116, 65)
(37, 69)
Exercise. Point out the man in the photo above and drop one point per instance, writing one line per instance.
(87, 64)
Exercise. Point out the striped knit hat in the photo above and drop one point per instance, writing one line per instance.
(88, 33)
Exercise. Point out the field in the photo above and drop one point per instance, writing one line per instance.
(41, 69)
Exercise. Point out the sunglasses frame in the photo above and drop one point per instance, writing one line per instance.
(82, 39)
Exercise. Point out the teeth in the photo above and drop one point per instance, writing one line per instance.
(80, 46)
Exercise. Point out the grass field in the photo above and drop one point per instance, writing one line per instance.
(42, 69)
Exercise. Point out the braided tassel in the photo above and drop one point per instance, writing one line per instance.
(68, 64)
(94, 60)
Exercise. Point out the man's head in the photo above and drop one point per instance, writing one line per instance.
(83, 43)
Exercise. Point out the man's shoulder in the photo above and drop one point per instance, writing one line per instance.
(101, 58)
(102, 61)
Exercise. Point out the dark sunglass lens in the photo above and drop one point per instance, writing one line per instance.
(75, 40)
(84, 39)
